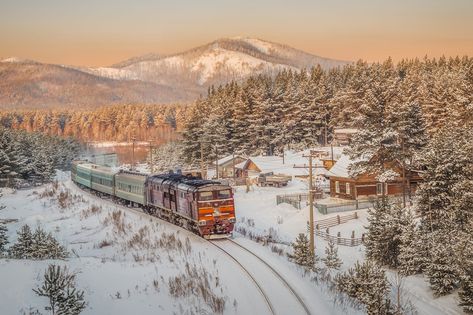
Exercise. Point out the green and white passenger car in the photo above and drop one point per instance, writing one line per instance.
(131, 186)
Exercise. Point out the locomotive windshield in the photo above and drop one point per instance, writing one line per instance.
(205, 195)
(224, 194)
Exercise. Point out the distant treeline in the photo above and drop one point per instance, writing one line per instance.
(109, 123)
(265, 114)
(33, 157)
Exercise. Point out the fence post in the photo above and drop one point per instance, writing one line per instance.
(327, 231)
(338, 238)
(352, 238)
(356, 215)
(338, 219)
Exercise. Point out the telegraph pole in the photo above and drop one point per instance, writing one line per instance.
(311, 208)
(311, 204)
(133, 138)
(202, 162)
(151, 155)
(216, 161)
(233, 165)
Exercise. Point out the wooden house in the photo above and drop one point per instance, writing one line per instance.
(363, 186)
(247, 169)
(343, 136)
(226, 165)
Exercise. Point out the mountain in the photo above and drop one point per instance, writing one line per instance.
(151, 78)
(29, 84)
(220, 61)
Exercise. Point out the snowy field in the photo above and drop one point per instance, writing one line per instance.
(259, 214)
(128, 262)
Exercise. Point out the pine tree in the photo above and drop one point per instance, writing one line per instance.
(464, 251)
(59, 288)
(414, 250)
(22, 249)
(331, 259)
(55, 250)
(442, 268)
(466, 287)
(366, 282)
(3, 238)
(45, 246)
(302, 254)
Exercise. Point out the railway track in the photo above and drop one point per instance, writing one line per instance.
(72, 186)
(277, 292)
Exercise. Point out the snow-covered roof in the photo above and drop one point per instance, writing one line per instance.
(227, 159)
(340, 168)
(275, 163)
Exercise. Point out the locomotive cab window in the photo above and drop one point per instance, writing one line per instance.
(205, 195)
(224, 194)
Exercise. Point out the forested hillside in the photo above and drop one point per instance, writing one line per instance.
(265, 114)
(109, 123)
(32, 157)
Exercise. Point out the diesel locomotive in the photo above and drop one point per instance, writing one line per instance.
(205, 207)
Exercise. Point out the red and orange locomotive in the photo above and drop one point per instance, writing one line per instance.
(203, 206)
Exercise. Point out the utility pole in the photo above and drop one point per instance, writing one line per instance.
(216, 162)
(133, 138)
(151, 155)
(311, 208)
(202, 162)
(311, 205)
(233, 165)
(403, 174)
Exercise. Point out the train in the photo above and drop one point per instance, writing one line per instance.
(205, 207)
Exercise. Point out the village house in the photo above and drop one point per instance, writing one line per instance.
(226, 165)
(363, 186)
(343, 136)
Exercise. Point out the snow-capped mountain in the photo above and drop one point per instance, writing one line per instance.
(149, 78)
(215, 63)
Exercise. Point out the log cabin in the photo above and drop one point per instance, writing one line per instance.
(364, 186)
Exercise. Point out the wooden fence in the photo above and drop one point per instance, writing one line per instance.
(297, 200)
(352, 241)
(334, 221)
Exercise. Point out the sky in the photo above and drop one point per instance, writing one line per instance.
(104, 32)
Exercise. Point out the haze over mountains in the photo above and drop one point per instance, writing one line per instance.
(150, 78)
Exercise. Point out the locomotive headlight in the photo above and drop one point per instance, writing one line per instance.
(202, 222)
(232, 220)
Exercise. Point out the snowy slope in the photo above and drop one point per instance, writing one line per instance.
(217, 62)
(126, 260)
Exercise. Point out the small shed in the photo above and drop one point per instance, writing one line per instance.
(343, 136)
(247, 169)
(226, 165)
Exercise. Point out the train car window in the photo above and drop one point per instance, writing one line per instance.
(205, 195)
(224, 194)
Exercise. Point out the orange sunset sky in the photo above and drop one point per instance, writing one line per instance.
(100, 33)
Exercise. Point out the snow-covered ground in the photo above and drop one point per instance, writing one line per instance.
(127, 261)
(258, 213)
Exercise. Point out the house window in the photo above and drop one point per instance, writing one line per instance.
(337, 187)
(348, 192)
(379, 188)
